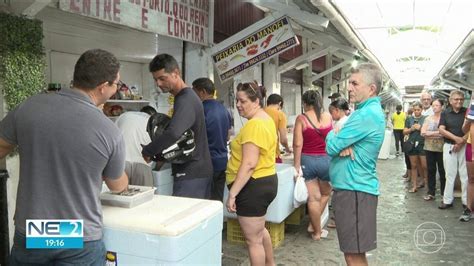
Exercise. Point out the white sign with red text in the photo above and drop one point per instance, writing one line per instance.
(257, 46)
(187, 20)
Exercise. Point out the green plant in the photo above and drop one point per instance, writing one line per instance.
(21, 58)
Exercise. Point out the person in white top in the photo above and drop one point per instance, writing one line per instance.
(133, 126)
(338, 110)
(426, 100)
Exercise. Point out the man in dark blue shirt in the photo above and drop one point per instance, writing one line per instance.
(217, 126)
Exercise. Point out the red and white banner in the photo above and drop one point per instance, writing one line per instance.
(254, 48)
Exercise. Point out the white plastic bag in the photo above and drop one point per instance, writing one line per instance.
(300, 195)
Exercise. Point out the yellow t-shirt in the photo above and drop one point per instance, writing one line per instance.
(280, 123)
(262, 133)
(398, 120)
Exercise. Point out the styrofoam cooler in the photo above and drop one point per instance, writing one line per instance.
(387, 141)
(282, 205)
(165, 231)
(163, 181)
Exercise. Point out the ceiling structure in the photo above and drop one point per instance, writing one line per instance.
(413, 39)
(421, 44)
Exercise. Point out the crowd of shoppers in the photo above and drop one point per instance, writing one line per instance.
(333, 152)
(437, 142)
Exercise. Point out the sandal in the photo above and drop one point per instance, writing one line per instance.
(413, 190)
(428, 197)
(421, 186)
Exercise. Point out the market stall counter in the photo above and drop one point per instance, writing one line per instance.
(166, 230)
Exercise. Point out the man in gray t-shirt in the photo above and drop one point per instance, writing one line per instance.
(67, 147)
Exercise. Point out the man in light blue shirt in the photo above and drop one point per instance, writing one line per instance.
(354, 151)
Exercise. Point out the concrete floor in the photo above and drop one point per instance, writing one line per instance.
(402, 221)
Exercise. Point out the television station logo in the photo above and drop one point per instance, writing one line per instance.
(54, 234)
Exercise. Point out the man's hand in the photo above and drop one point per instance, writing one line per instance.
(460, 140)
(456, 147)
(347, 152)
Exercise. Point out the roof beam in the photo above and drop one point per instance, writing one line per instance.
(323, 39)
(340, 81)
(332, 69)
(303, 17)
(307, 57)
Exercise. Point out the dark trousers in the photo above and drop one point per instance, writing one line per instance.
(433, 160)
(398, 133)
(217, 186)
(198, 188)
(407, 161)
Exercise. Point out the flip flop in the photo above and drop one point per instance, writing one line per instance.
(412, 191)
(428, 197)
(331, 224)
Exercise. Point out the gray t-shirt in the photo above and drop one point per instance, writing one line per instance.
(66, 145)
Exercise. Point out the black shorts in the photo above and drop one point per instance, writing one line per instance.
(255, 197)
(356, 220)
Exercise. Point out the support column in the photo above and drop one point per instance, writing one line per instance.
(271, 78)
(307, 82)
(327, 81)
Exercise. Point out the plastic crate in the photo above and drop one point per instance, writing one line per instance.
(296, 216)
(235, 235)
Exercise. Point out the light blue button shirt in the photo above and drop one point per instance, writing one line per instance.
(364, 131)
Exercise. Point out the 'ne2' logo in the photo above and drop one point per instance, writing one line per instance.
(54, 233)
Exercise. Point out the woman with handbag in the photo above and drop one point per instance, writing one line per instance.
(414, 146)
(309, 148)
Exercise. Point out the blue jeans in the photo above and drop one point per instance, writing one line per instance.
(315, 167)
(93, 253)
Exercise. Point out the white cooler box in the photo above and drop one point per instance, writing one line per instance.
(165, 231)
(163, 181)
(282, 205)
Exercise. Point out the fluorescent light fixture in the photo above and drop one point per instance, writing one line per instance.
(301, 66)
(459, 70)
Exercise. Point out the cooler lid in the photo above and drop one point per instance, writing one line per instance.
(164, 215)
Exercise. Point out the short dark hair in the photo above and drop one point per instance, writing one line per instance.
(441, 102)
(163, 61)
(253, 91)
(204, 84)
(95, 67)
(275, 99)
(417, 104)
(148, 109)
(340, 103)
(399, 107)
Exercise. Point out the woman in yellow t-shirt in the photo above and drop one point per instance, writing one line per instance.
(398, 121)
(251, 173)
